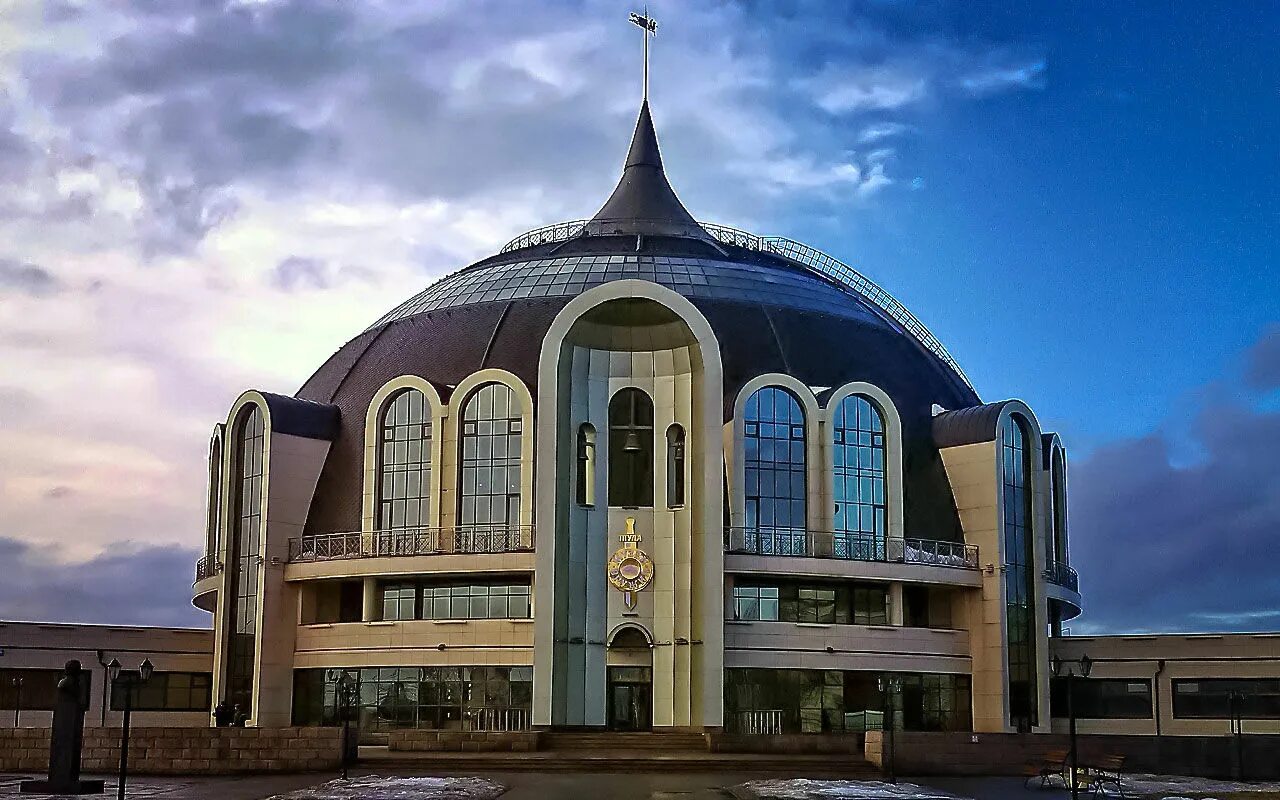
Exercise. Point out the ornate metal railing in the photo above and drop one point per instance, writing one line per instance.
(207, 567)
(809, 257)
(1063, 575)
(848, 546)
(412, 542)
(559, 232)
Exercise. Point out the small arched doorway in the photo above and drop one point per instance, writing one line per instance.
(630, 665)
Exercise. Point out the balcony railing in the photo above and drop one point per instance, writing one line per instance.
(412, 542)
(849, 546)
(207, 567)
(1063, 575)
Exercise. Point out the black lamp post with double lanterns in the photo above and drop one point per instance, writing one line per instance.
(345, 700)
(889, 685)
(129, 680)
(1068, 668)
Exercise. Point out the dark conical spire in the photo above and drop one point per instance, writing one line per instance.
(644, 202)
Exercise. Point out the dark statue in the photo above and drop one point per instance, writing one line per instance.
(67, 738)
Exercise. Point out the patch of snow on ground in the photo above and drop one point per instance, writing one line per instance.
(808, 789)
(1171, 786)
(375, 787)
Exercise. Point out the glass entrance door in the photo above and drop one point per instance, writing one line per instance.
(630, 698)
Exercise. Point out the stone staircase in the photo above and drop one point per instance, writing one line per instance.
(574, 751)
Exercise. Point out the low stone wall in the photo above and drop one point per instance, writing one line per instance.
(463, 741)
(785, 744)
(1258, 757)
(182, 751)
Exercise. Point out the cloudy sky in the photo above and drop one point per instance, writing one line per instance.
(200, 197)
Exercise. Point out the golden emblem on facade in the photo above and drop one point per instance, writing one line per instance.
(630, 568)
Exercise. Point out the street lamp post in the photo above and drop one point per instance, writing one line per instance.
(17, 699)
(1085, 665)
(346, 691)
(890, 685)
(130, 680)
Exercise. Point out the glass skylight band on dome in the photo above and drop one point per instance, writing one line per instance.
(696, 278)
(802, 254)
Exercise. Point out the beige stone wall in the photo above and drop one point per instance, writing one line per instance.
(1166, 658)
(789, 645)
(183, 751)
(463, 741)
(49, 645)
(413, 643)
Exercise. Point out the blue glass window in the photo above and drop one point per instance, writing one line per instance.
(859, 479)
(774, 479)
(404, 453)
(1019, 564)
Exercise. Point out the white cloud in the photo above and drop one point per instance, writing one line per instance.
(993, 80)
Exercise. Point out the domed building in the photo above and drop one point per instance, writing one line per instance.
(639, 472)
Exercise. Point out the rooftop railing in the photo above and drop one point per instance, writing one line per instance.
(849, 546)
(207, 567)
(1063, 575)
(469, 539)
(811, 258)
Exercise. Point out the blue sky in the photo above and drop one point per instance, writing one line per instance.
(1079, 199)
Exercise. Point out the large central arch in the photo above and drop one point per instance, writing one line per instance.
(629, 334)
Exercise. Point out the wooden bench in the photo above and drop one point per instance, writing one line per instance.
(1106, 771)
(1054, 763)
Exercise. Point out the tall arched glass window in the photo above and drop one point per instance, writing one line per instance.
(631, 449)
(244, 558)
(1016, 496)
(675, 466)
(774, 455)
(489, 480)
(858, 453)
(213, 522)
(404, 462)
(585, 490)
(1058, 473)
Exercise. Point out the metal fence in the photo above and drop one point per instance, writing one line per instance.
(1063, 575)
(848, 546)
(207, 567)
(811, 258)
(486, 718)
(757, 723)
(412, 542)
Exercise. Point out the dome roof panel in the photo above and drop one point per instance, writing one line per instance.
(695, 278)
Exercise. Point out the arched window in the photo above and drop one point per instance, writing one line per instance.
(213, 522)
(774, 450)
(586, 457)
(404, 462)
(1019, 562)
(244, 558)
(631, 449)
(1058, 475)
(489, 485)
(675, 467)
(858, 455)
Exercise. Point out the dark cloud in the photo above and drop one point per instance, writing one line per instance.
(1262, 363)
(296, 272)
(1163, 545)
(129, 585)
(27, 278)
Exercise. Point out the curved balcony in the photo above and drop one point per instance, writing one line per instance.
(204, 590)
(468, 539)
(835, 553)
(1062, 585)
(464, 548)
(1063, 575)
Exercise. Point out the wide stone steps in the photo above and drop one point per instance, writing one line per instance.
(570, 741)
(604, 760)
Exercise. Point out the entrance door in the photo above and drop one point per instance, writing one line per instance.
(630, 698)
